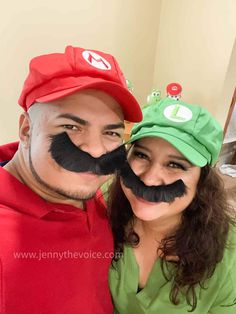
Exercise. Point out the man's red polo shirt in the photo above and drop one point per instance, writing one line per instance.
(54, 258)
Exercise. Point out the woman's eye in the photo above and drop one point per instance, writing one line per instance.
(70, 127)
(177, 165)
(140, 155)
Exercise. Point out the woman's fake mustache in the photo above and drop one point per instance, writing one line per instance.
(160, 193)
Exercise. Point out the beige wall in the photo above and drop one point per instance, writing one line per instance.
(226, 95)
(125, 28)
(155, 42)
(194, 48)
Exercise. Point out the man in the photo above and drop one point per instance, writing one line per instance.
(55, 244)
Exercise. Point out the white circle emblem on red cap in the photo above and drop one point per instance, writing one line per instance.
(96, 60)
(178, 113)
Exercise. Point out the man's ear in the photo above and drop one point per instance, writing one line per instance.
(25, 129)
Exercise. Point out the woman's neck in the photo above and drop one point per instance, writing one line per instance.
(157, 229)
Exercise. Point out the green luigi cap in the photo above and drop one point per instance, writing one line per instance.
(191, 129)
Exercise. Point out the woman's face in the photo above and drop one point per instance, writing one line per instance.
(157, 162)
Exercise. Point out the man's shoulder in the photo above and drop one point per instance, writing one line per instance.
(7, 151)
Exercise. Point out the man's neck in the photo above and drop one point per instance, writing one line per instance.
(17, 167)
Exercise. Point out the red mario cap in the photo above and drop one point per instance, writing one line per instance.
(57, 75)
(174, 89)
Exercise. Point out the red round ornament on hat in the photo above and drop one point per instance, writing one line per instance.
(174, 89)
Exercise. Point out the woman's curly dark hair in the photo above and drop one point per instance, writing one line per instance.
(199, 241)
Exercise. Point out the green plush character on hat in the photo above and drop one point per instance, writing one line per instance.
(153, 98)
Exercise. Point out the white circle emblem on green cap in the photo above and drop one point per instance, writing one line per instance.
(178, 113)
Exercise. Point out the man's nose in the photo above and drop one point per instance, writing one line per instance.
(93, 144)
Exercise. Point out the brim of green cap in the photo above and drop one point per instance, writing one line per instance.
(185, 149)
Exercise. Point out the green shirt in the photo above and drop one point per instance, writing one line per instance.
(218, 298)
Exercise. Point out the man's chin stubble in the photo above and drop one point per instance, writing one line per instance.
(76, 196)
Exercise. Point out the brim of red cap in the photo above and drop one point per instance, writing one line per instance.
(130, 107)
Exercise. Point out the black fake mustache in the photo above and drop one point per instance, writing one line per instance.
(161, 193)
(70, 157)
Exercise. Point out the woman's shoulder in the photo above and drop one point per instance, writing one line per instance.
(229, 257)
(226, 267)
(123, 257)
(224, 277)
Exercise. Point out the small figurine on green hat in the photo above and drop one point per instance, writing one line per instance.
(153, 98)
(174, 91)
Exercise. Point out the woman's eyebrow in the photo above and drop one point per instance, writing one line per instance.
(142, 147)
(179, 158)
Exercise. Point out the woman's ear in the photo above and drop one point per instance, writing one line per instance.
(24, 129)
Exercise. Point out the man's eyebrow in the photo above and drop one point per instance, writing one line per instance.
(113, 126)
(74, 118)
(84, 122)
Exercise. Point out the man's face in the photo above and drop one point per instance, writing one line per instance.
(93, 121)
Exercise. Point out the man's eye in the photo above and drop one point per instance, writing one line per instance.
(113, 134)
(70, 127)
(177, 165)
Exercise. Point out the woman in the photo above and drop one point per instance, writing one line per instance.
(174, 231)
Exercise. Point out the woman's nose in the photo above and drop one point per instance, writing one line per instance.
(153, 175)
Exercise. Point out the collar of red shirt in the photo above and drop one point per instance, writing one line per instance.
(7, 151)
(21, 198)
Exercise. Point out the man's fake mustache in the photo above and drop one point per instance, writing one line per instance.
(68, 156)
(161, 193)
